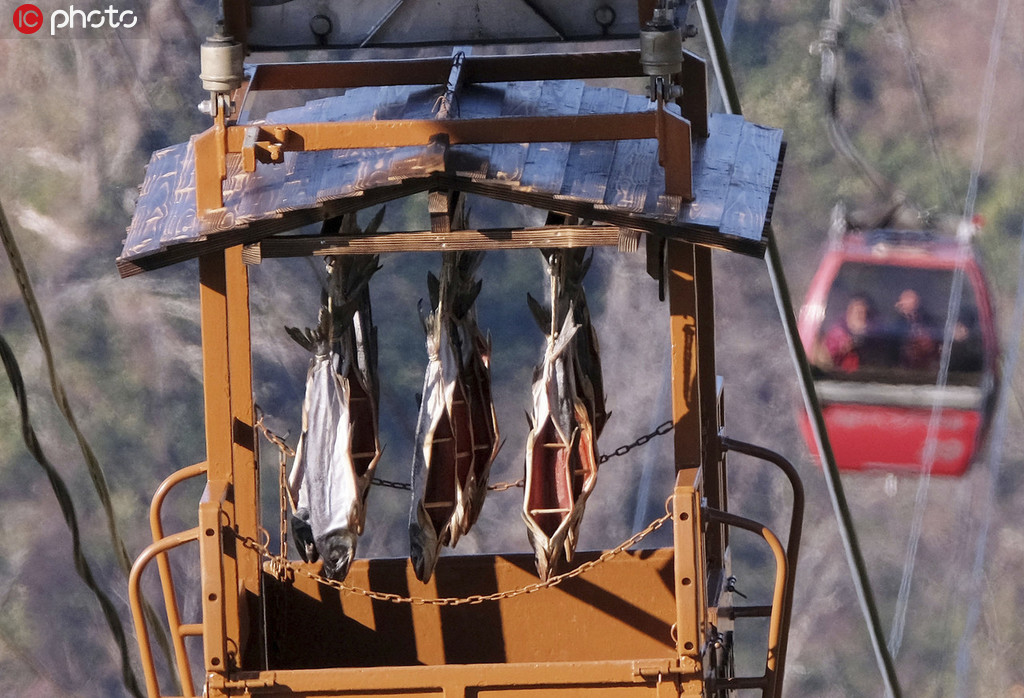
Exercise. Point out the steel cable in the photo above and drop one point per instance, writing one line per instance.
(851, 547)
(60, 397)
(914, 69)
(67, 508)
(995, 465)
(952, 313)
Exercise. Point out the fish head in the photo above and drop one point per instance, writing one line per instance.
(423, 545)
(302, 535)
(338, 549)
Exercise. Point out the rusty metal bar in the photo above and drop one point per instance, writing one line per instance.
(215, 582)
(434, 71)
(227, 389)
(211, 149)
(625, 677)
(690, 574)
(674, 154)
(779, 599)
(747, 612)
(237, 19)
(268, 144)
(166, 578)
(158, 548)
(392, 133)
(681, 274)
(213, 302)
(339, 75)
(245, 476)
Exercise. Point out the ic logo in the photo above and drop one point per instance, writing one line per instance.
(28, 19)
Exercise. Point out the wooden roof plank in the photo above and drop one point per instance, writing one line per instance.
(544, 168)
(475, 102)
(507, 158)
(391, 102)
(341, 168)
(587, 168)
(734, 175)
(427, 241)
(629, 172)
(417, 161)
(155, 199)
(747, 199)
(315, 110)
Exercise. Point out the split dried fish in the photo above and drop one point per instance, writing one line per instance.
(457, 435)
(567, 418)
(339, 446)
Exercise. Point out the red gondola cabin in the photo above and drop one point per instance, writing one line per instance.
(872, 326)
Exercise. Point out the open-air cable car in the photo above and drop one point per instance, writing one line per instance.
(872, 326)
(604, 167)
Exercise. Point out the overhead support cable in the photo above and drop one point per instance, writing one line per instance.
(952, 316)
(998, 436)
(93, 466)
(995, 467)
(67, 508)
(847, 533)
(923, 103)
(837, 496)
(827, 47)
(719, 60)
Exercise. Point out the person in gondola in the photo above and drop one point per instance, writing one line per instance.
(849, 341)
(918, 349)
(967, 355)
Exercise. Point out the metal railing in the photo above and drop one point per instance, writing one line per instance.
(161, 545)
(780, 611)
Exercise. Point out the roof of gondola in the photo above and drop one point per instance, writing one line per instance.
(735, 174)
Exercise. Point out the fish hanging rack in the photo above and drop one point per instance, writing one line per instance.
(523, 129)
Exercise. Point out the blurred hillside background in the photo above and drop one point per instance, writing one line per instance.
(82, 113)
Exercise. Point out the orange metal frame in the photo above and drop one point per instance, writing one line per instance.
(643, 623)
(268, 144)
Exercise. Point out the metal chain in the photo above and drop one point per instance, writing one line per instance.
(662, 429)
(281, 567)
(393, 484)
(287, 566)
(284, 451)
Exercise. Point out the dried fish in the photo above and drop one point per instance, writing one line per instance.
(339, 446)
(457, 429)
(567, 418)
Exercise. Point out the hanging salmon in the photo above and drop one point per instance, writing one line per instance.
(457, 429)
(339, 445)
(567, 418)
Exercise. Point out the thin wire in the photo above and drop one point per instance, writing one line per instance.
(952, 313)
(928, 460)
(995, 466)
(847, 533)
(914, 68)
